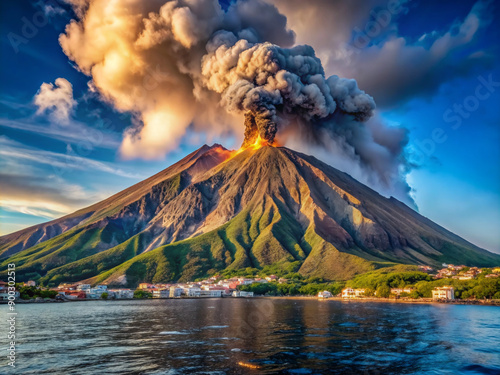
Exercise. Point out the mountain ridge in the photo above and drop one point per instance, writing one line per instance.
(217, 209)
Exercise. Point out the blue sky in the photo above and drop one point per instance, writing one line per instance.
(50, 168)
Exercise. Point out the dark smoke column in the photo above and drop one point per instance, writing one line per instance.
(255, 126)
(251, 131)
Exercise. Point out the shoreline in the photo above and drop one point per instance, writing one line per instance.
(338, 299)
(394, 300)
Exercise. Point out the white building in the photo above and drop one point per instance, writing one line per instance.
(325, 294)
(444, 292)
(161, 293)
(211, 293)
(352, 293)
(122, 293)
(175, 292)
(244, 281)
(93, 294)
(96, 292)
(4, 295)
(240, 293)
(83, 287)
(66, 286)
(192, 292)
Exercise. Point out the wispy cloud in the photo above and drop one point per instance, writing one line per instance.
(32, 183)
(42, 195)
(74, 132)
(60, 162)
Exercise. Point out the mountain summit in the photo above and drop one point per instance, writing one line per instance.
(218, 209)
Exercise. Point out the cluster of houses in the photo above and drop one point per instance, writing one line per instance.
(211, 287)
(460, 272)
(440, 293)
(464, 273)
(4, 290)
(86, 291)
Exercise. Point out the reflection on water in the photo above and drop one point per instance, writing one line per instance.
(254, 336)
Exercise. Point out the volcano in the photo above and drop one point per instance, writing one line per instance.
(218, 209)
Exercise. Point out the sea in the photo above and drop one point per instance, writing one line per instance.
(251, 336)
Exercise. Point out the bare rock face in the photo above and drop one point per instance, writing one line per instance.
(237, 209)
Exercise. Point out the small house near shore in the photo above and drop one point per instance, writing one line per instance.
(353, 293)
(443, 292)
(325, 294)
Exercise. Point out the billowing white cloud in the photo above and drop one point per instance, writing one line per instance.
(183, 64)
(144, 62)
(56, 100)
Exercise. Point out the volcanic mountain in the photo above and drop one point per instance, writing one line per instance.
(218, 209)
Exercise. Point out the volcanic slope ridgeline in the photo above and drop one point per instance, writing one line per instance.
(216, 209)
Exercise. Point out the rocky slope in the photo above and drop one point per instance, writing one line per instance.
(217, 209)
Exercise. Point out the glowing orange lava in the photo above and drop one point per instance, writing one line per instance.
(259, 142)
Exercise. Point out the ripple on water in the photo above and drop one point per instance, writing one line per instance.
(478, 369)
(300, 371)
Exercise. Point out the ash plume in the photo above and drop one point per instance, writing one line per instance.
(276, 85)
(183, 64)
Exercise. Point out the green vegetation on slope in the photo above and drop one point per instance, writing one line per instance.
(86, 251)
(401, 276)
(93, 265)
(256, 239)
(66, 248)
(397, 276)
(376, 283)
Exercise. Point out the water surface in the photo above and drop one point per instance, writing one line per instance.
(253, 336)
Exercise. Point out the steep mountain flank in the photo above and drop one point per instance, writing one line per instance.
(217, 209)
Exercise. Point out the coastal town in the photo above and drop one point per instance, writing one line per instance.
(211, 287)
(218, 287)
(440, 293)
